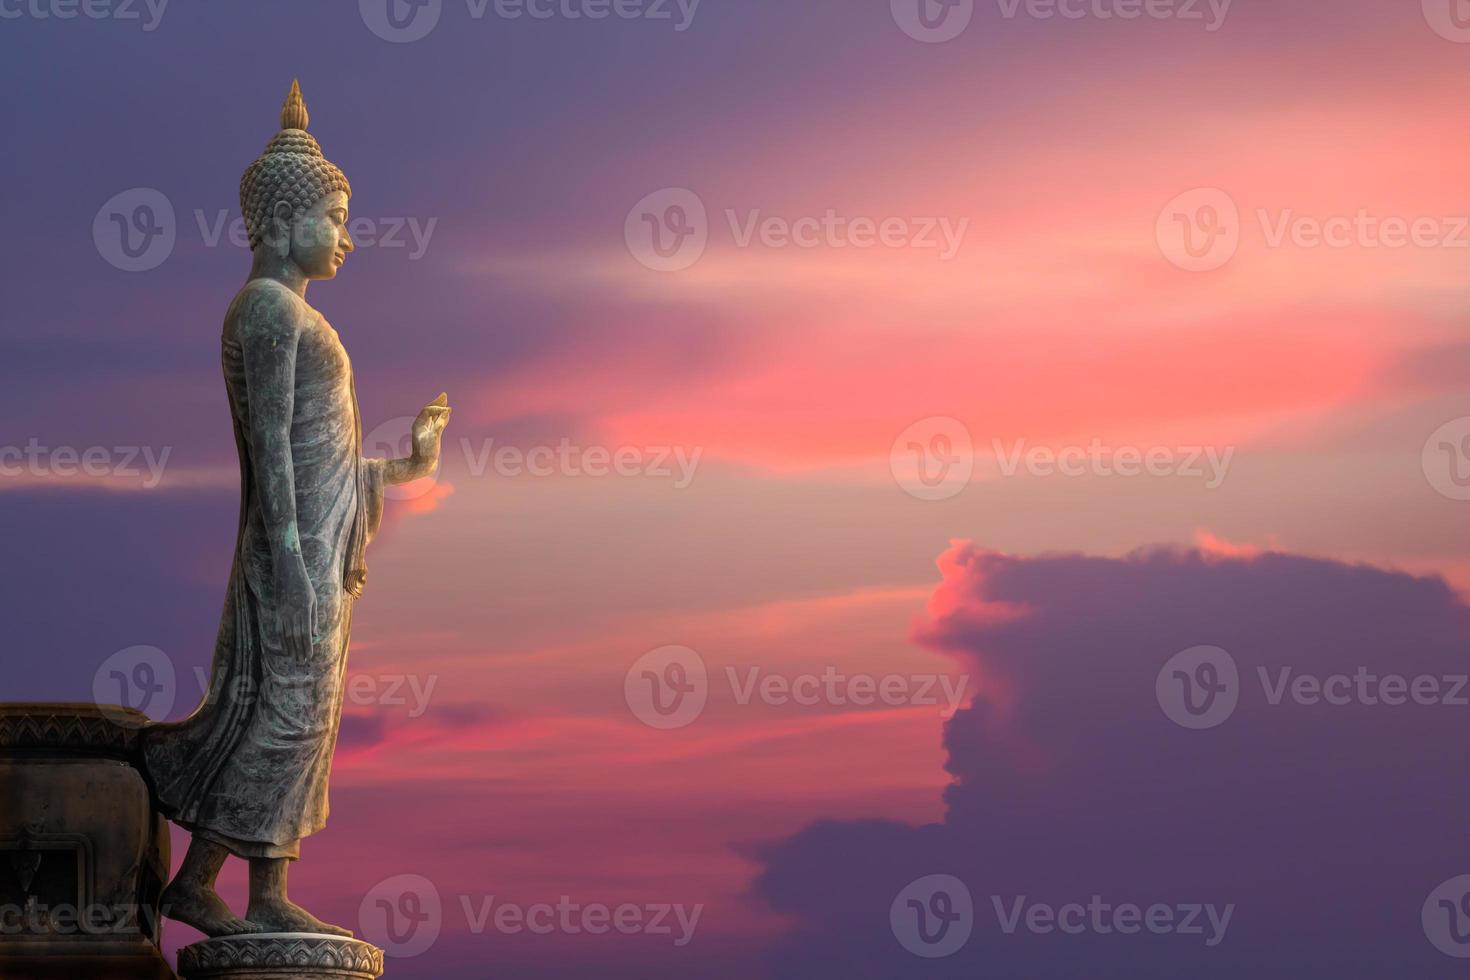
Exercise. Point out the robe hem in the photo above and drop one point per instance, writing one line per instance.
(247, 849)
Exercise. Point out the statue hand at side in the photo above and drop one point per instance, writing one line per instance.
(296, 609)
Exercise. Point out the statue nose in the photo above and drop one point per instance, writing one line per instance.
(347, 243)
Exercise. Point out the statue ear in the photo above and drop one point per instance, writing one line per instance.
(279, 237)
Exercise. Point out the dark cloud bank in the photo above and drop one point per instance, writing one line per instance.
(1327, 826)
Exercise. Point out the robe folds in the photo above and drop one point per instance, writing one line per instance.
(249, 768)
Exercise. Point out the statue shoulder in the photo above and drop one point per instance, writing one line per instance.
(266, 309)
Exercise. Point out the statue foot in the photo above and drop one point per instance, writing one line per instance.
(196, 905)
(282, 915)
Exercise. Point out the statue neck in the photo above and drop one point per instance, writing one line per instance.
(269, 264)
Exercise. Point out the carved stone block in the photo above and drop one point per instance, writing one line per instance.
(83, 857)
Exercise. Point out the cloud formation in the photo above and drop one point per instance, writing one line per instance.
(1318, 815)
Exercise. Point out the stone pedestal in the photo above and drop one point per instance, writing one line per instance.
(281, 956)
(83, 857)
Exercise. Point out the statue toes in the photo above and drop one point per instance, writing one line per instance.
(235, 926)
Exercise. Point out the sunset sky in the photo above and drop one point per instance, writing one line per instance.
(1009, 366)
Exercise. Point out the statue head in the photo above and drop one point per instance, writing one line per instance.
(294, 199)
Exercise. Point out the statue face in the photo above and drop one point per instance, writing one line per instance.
(319, 238)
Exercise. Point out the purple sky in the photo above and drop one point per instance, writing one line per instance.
(503, 168)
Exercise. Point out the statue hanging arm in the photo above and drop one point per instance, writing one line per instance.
(270, 331)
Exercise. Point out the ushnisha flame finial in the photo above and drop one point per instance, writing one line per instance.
(291, 169)
(293, 113)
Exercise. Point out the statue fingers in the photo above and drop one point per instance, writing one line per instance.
(308, 629)
(290, 635)
(287, 621)
(300, 635)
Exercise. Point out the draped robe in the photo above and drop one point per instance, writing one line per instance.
(249, 769)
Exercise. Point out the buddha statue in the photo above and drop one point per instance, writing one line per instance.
(247, 772)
